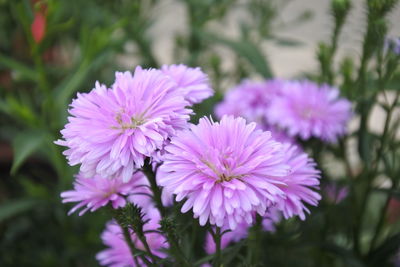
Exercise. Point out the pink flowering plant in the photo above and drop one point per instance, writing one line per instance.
(236, 176)
(199, 162)
(134, 140)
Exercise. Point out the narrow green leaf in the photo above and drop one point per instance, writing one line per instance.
(18, 67)
(72, 83)
(14, 207)
(247, 50)
(385, 251)
(282, 41)
(393, 193)
(24, 144)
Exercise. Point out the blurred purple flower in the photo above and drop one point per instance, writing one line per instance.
(271, 217)
(306, 109)
(393, 44)
(236, 235)
(227, 170)
(118, 253)
(94, 193)
(192, 83)
(300, 184)
(335, 194)
(111, 131)
(249, 100)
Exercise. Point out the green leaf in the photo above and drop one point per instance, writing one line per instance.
(24, 144)
(282, 41)
(347, 256)
(392, 192)
(14, 207)
(385, 251)
(247, 50)
(18, 67)
(72, 83)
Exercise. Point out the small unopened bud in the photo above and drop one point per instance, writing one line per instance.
(340, 6)
(381, 7)
(130, 216)
(168, 225)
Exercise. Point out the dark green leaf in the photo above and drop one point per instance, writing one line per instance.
(385, 251)
(72, 83)
(14, 207)
(282, 41)
(24, 144)
(348, 258)
(247, 50)
(19, 68)
(393, 193)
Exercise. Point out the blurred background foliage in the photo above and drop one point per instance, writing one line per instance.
(50, 50)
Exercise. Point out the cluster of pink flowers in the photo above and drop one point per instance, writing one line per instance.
(301, 109)
(226, 172)
(118, 253)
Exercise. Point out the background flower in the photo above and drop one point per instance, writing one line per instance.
(118, 253)
(300, 184)
(94, 193)
(306, 109)
(192, 83)
(249, 100)
(236, 235)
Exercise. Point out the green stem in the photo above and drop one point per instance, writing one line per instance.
(132, 248)
(382, 216)
(353, 199)
(151, 176)
(177, 251)
(375, 166)
(143, 239)
(217, 239)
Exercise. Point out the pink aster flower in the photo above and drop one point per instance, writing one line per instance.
(111, 131)
(249, 100)
(118, 253)
(226, 170)
(307, 109)
(192, 83)
(94, 193)
(300, 184)
(271, 218)
(232, 236)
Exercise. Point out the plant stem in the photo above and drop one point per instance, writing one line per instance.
(151, 176)
(217, 239)
(143, 239)
(132, 248)
(382, 216)
(177, 251)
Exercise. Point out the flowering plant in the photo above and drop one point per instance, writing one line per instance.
(199, 163)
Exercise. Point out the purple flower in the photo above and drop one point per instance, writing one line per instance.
(307, 109)
(226, 170)
(271, 217)
(393, 44)
(299, 184)
(118, 253)
(192, 83)
(94, 193)
(111, 131)
(335, 194)
(236, 235)
(249, 100)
